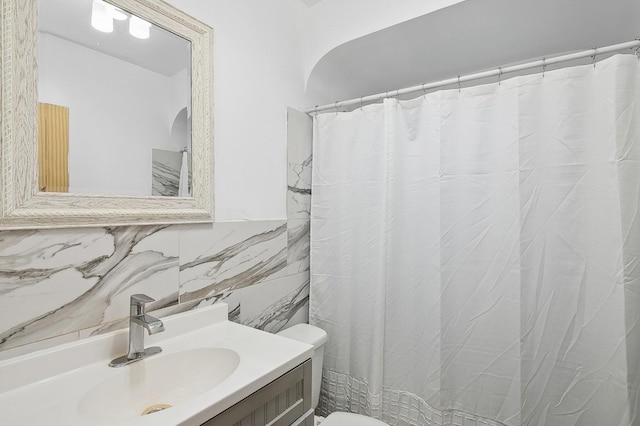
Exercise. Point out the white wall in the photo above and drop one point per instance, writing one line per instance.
(180, 94)
(110, 137)
(258, 72)
(263, 51)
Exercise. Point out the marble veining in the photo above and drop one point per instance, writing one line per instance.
(68, 297)
(298, 245)
(275, 304)
(57, 286)
(299, 163)
(228, 257)
(291, 304)
(271, 305)
(299, 192)
(165, 172)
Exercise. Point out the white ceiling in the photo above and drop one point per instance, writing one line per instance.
(163, 52)
(470, 36)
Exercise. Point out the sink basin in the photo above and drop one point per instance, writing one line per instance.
(208, 364)
(158, 383)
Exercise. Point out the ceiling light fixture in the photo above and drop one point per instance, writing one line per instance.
(116, 13)
(101, 18)
(139, 28)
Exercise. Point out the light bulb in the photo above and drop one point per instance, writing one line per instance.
(139, 28)
(101, 19)
(116, 13)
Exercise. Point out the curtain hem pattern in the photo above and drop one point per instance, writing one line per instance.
(343, 393)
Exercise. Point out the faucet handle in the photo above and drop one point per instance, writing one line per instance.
(141, 299)
(137, 303)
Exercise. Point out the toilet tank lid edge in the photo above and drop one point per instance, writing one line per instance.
(305, 333)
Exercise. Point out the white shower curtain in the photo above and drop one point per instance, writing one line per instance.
(475, 254)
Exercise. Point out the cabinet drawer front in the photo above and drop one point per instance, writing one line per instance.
(280, 403)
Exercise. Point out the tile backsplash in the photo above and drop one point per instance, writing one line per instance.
(56, 282)
(61, 285)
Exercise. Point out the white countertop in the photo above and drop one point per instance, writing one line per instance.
(45, 387)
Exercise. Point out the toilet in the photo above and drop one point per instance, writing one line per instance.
(317, 337)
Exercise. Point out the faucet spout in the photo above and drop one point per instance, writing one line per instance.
(138, 322)
(151, 324)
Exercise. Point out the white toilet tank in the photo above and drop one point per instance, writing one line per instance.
(316, 337)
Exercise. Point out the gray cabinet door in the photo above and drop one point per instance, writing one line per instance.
(280, 403)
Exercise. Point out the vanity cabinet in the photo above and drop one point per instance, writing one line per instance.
(284, 402)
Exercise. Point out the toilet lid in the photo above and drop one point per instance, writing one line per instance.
(349, 419)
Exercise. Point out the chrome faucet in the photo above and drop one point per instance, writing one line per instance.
(138, 321)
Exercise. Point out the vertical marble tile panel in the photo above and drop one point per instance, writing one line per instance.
(223, 257)
(299, 159)
(54, 282)
(298, 245)
(299, 137)
(298, 191)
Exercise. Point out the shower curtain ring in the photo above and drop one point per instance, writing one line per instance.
(459, 88)
(361, 104)
(424, 91)
(544, 66)
(336, 107)
(593, 57)
(499, 76)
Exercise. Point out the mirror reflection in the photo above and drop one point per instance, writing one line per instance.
(114, 97)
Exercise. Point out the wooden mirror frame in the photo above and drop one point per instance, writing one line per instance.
(21, 205)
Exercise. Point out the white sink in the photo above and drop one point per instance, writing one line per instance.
(207, 365)
(158, 383)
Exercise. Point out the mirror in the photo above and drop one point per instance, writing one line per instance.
(114, 93)
(137, 164)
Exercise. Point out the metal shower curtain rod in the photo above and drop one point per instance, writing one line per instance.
(544, 62)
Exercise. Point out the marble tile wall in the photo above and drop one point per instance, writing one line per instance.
(299, 130)
(62, 285)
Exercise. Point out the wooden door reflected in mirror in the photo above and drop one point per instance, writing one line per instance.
(53, 148)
